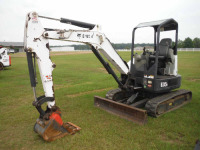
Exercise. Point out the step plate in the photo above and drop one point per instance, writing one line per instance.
(133, 114)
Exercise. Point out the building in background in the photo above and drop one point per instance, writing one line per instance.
(16, 46)
(61, 48)
(19, 47)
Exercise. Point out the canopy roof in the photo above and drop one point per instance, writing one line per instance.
(167, 24)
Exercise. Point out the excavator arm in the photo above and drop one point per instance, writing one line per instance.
(36, 45)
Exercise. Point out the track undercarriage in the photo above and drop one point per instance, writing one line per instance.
(135, 107)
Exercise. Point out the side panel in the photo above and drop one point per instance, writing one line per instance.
(162, 85)
(176, 65)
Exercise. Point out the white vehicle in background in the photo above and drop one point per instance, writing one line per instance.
(5, 59)
(11, 51)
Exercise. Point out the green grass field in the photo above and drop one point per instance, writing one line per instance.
(77, 78)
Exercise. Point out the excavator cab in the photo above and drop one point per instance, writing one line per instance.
(156, 71)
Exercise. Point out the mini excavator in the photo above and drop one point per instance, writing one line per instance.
(146, 86)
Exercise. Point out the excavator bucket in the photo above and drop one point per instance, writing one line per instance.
(54, 128)
(124, 111)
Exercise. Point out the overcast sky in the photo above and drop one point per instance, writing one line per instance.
(117, 17)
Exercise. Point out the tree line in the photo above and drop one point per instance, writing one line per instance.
(187, 43)
(115, 46)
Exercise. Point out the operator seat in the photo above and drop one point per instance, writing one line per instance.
(165, 51)
(165, 57)
(164, 46)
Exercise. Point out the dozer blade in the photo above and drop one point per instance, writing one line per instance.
(124, 111)
(54, 128)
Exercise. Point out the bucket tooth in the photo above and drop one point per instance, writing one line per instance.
(71, 128)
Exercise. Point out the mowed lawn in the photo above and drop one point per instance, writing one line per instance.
(77, 78)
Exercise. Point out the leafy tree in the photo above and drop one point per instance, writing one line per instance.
(196, 42)
(173, 44)
(116, 46)
(188, 43)
(180, 43)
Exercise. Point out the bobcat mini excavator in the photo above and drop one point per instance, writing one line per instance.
(146, 85)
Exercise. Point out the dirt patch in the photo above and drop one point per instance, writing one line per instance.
(57, 87)
(60, 86)
(102, 70)
(105, 71)
(193, 80)
(87, 92)
(166, 139)
(70, 53)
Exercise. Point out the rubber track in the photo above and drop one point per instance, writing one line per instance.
(152, 104)
(111, 93)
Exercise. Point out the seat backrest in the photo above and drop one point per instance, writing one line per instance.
(164, 46)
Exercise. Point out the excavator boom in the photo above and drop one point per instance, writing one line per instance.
(36, 45)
